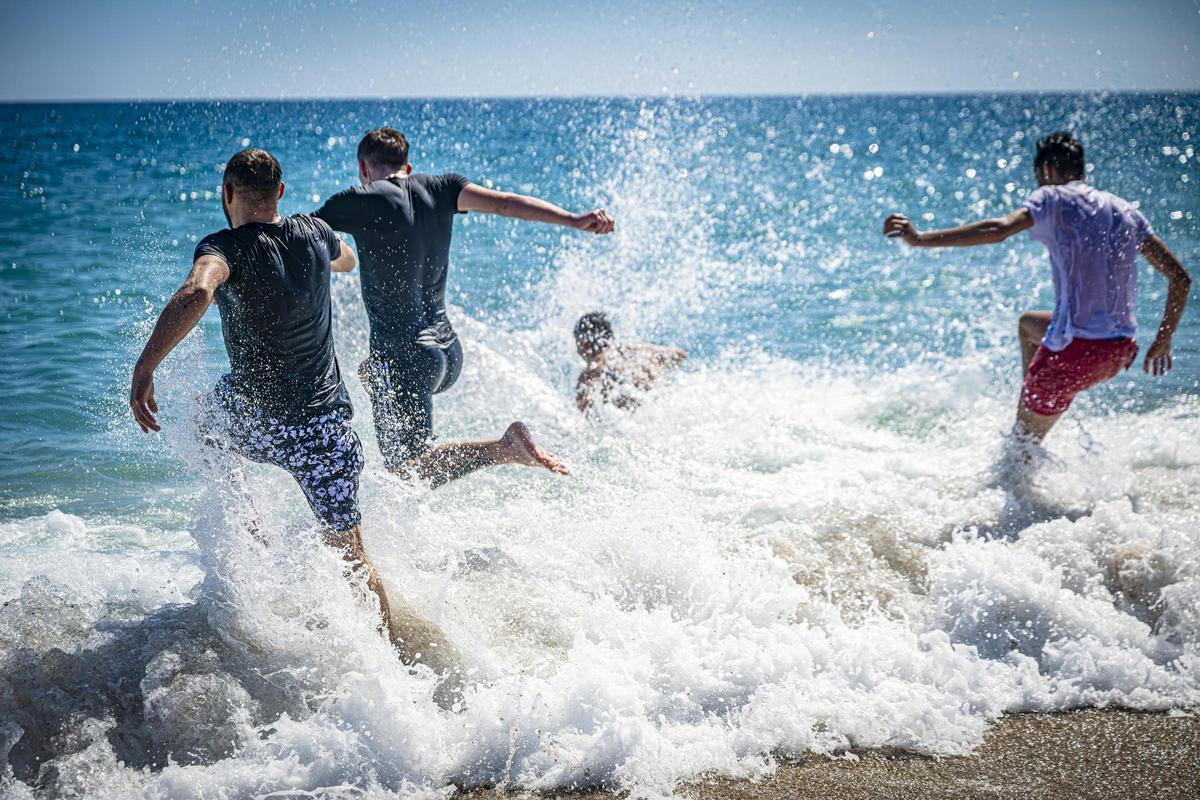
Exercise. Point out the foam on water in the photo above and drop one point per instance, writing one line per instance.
(772, 556)
(767, 559)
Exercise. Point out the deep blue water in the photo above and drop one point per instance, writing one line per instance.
(799, 543)
(764, 215)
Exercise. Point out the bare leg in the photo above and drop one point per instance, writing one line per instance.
(415, 639)
(448, 462)
(1031, 329)
(1031, 426)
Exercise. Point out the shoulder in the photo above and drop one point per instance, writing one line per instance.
(344, 200)
(1043, 194)
(1040, 201)
(308, 223)
(349, 193)
(223, 243)
(442, 181)
(1120, 203)
(1132, 215)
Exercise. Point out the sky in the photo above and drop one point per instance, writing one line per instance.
(163, 49)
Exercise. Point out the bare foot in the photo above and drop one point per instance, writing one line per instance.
(518, 448)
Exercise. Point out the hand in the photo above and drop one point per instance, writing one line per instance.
(1158, 358)
(141, 400)
(898, 226)
(597, 221)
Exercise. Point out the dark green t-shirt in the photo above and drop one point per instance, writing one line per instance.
(401, 228)
(276, 315)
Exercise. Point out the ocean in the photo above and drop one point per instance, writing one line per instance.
(802, 543)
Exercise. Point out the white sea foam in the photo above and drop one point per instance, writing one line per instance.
(768, 558)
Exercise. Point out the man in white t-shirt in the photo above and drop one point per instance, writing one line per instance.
(1093, 238)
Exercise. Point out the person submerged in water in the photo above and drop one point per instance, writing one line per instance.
(1093, 238)
(283, 401)
(402, 223)
(617, 373)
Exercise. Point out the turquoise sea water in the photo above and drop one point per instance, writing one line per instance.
(104, 203)
(798, 545)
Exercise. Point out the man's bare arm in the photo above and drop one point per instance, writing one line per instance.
(583, 388)
(671, 356)
(1179, 283)
(177, 319)
(985, 231)
(346, 260)
(506, 204)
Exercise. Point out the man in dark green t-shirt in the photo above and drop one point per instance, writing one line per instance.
(402, 224)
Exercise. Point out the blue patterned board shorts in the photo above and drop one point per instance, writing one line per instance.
(323, 453)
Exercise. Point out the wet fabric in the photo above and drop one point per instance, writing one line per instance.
(1056, 376)
(276, 316)
(401, 228)
(1093, 239)
(401, 387)
(323, 453)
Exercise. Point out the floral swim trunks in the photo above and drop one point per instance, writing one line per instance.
(322, 453)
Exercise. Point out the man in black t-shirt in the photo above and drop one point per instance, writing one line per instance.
(402, 223)
(283, 401)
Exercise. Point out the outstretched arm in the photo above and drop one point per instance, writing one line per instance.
(180, 315)
(1179, 283)
(666, 356)
(985, 231)
(506, 204)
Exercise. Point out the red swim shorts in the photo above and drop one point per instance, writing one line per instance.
(1056, 377)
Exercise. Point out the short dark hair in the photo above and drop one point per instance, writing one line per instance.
(1062, 151)
(256, 175)
(595, 329)
(384, 147)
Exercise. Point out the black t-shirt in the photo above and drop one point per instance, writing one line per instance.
(276, 315)
(402, 229)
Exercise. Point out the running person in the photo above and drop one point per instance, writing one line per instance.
(1093, 238)
(402, 223)
(283, 401)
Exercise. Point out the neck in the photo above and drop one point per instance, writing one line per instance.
(263, 216)
(384, 173)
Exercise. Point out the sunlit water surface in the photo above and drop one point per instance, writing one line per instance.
(800, 544)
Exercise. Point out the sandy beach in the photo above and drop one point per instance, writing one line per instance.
(1090, 754)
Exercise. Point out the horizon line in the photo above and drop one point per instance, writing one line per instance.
(667, 96)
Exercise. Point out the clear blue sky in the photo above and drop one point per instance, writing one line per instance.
(51, 49)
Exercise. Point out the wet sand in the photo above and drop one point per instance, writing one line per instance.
(1086, 754)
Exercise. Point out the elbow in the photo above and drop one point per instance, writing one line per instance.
(1179, 281)
(997, 232)
(194, 293)
(511, 205)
